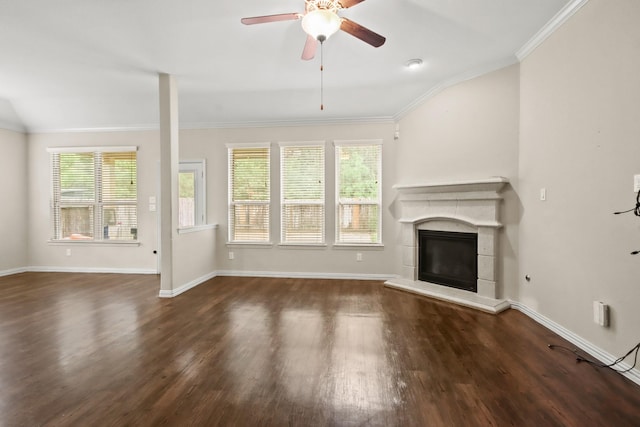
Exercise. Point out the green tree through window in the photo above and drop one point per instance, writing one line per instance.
(94, 194)
(358, 176)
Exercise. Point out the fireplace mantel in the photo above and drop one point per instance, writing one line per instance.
(470, 205)
(493, 185)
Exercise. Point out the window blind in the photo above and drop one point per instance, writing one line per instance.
(358, 183)
(94, 195)
(249, 194)
(119, 196)
(302, 193)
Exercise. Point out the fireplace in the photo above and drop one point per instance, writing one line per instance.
(439, 211)
(448, 258)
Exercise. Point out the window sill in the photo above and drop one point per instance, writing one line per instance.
(373, 246)
(197, 228)
(266, 245)
(302, 245)
(95, 242)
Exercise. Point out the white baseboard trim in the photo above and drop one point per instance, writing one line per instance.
(90, 270)
(287, 275)
(305, 275)
(12, 271)
(593, 350)
(184, 288)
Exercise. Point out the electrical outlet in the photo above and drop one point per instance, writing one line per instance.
(600, 313)
(359, 256)
(231, 255)
(68, 252)
(636, 183)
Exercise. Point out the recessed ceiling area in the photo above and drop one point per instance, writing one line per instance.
(89, 64)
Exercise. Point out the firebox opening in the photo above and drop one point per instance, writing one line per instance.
(448, 258)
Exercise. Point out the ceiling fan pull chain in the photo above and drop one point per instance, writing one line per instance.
(321, 75)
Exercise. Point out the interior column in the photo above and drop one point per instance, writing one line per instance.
(169, 152)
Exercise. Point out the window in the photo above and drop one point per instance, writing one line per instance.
(302, 192)
(249, 193)
(191, 194)
(94, 193)
(358, 192)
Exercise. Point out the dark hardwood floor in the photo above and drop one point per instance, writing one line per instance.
(98, 349)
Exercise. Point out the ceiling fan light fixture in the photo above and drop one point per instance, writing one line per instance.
(321, 23)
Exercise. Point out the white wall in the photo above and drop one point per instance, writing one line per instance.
(326, 261)
(199, 254)
(580, 139)
(89, 257)
(469, 131)
(194, 256)
(13, 215)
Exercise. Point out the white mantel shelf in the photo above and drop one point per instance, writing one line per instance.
(493, 184)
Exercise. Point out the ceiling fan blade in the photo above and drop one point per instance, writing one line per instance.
(270, 18)
(348, 3)
(364, 34)
(310, 47)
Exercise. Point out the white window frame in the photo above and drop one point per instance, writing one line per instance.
(98, 226)
(378, 202)
(199, 170)
(284, 203)
(231, 203)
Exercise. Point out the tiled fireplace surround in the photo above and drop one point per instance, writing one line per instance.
(464, 206)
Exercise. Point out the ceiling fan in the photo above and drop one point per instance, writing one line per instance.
(320, 20)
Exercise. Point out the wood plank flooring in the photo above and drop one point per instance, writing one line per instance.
(99, 349)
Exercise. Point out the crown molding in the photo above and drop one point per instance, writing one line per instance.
(468, 75)
(13, 127)
(288, 123)
(560, 18)
(132, 128)
(218, 125)
(550, 27)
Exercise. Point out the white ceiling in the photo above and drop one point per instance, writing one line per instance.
(85, 64)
